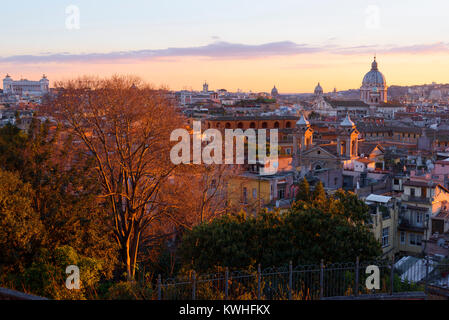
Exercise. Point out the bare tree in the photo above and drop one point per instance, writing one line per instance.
(194, 195)
(205, 187)
(125, 125)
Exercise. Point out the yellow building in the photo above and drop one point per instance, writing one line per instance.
(384, 219)
(251, 191)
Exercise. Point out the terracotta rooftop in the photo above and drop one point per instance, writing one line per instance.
(414, 183)
(346, 103)
(443, 215)
(365, 160)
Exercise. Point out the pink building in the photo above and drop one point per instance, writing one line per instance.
(439, 174)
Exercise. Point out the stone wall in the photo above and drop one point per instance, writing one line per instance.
(8, 294)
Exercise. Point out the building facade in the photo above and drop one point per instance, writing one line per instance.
(384, 219)
(25, 87)
(422, 202)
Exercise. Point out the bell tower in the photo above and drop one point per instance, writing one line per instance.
(347, 140)
(302, 139)
(305, 133)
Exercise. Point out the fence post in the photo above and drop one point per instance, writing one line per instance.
(322, 279)
(159, 287)
(392, 276)
(290, 280)
(258, 282)
(357, 270)
(194, 285)
(426, 285)
(226, 283)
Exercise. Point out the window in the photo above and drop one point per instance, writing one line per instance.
(385, 234)
(412, 239)
(412, 192)
(419, 217)
(418, 239)
(245, 195)
(254, 193)
(281, 192)
(402, 237)
(385, 212)
(415, 239)
(288, 151)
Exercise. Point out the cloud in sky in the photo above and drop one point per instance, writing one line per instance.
(440, 47)
(226, 51)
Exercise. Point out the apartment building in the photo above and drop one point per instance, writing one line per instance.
(384, 219)
(422, 202)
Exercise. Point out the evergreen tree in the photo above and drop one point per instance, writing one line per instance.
(309, 232)
(319, 195)
(303, 191)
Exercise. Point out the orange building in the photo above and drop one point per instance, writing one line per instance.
(284, 124)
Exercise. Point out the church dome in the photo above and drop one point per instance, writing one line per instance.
(374, 77)
(274, 91)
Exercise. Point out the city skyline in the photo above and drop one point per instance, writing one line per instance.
(290, 44)
(224, 151)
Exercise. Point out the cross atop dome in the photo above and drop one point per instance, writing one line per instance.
(374, 64)
(318, 90)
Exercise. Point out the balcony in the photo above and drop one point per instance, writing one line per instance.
(417, 199)
(406, 224)
(384, 211)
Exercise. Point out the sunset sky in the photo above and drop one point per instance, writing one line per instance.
(245, 44)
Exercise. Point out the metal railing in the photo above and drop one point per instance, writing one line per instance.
(309, 282)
